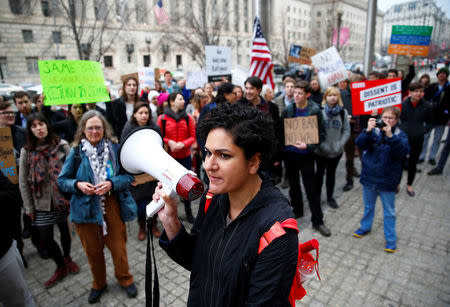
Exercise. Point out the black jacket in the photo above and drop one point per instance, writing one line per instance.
(116, 114)
(440, 101)
(226, 269)
(416, 121)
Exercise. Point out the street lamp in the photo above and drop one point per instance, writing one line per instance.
(130, 50)
(339, 22)
(165, 50)
(86, 49)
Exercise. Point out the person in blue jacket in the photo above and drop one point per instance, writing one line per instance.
(101, 201)
(384, 146)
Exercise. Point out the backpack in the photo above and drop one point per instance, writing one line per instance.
(307, 266)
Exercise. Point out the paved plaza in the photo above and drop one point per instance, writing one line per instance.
(354, 272)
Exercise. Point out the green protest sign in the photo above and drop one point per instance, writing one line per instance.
(68, 82)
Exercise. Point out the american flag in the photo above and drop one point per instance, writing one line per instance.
(261, 61)
(160, 13)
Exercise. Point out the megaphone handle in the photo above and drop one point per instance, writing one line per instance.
(153, 207)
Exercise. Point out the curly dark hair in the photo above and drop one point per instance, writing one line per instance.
(251, 129)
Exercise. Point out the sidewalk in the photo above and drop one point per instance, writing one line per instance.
(354, 272)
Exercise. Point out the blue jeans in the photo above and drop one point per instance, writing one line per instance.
(438, 132)
(388, 200)
(444, 154)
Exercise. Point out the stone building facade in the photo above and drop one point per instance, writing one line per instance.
(418, 12)
(40, 30)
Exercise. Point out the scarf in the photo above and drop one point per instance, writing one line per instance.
(332, 112)
(101, 162)
(38, 168)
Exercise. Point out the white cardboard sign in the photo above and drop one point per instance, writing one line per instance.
(195, 79)
(331, 67)
(146, 77)
(218, 62)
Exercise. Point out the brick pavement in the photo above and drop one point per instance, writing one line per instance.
(355, 272)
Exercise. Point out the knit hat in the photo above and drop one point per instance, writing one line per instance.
(162, 97)
(444, 70)
(152, 94)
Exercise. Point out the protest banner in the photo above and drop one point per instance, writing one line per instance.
(331, 67)
(301, 129)
(239, 75)
(301, 54)
(146, 77)
(7, 160)
(134, 75)
(218, 63)
(410, 40)
(195, 79)
(375, 95)
(344, 36)
(68, 82)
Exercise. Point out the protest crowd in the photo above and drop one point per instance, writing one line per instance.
(69, 172)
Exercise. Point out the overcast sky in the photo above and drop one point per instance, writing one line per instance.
(384, 5)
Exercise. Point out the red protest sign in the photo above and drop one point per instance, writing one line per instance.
(375, 95)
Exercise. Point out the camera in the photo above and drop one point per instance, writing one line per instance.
(380, 123)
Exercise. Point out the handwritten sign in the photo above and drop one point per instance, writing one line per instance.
(68, 82)
(331, 67)
(146, 77)
(195, 79)
(301, 129)
(410, 40)
(134, 75)
(375, 95)
(218, 62)
(7, 160)
(301, 54)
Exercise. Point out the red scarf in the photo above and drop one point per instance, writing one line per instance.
(38, 169)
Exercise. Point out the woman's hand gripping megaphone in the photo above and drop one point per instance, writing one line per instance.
(165, 203)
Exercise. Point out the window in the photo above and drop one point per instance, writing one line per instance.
(60, 57)
(108, 60)
(141, 11)
(32, 65)
(27, 36)
(179, 61)
(99, 9)
(45, 8)
(3, 65)
(319, 13)
(147, 61)
(236, 14)
(19, 7)
(57, 37)
(226, 16)
(239, 59)
(175, 16)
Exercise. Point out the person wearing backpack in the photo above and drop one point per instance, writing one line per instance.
(41, 160)
(178, 131)
(222, 249)
(330, 151)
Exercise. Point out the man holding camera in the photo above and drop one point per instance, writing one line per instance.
(384, 146)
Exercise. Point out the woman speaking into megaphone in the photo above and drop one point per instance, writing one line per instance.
(221, 251)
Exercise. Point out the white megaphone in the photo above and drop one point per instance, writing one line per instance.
(142, 151)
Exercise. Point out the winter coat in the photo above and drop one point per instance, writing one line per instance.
(176, 128)
(382, 158)
(416, 121)
(337, 133)
(38, 201)
(116, 114)
(440, 102)
(226, 269)
(313, 109)
(279, 101)
(87, 208)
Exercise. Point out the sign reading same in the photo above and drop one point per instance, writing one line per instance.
(301, 129)
(7, 160)
(68, 82)
(375, 95)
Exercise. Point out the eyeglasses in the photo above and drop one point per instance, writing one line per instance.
(7, 113)
(92, 128)
(388, 117)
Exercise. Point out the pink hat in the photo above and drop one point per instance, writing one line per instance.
(162, 97)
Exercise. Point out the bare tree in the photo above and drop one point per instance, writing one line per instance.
(281, 53)
(199, 27)
(94, 24)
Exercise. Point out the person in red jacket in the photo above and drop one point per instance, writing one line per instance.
(178, 131)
